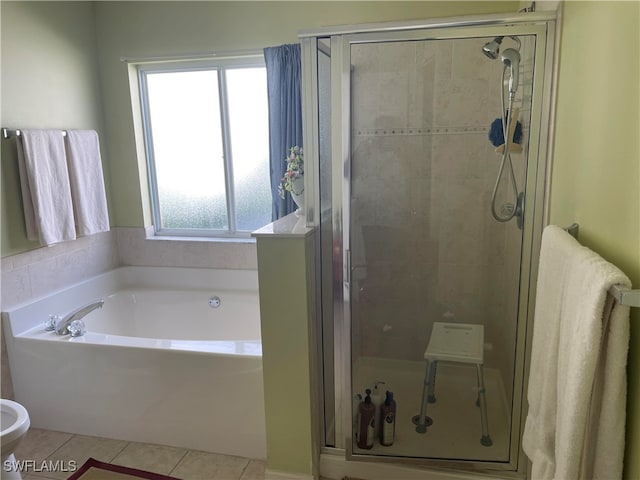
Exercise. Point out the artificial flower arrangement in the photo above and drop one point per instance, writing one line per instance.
(295, 170)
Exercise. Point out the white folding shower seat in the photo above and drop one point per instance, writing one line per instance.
(457, 343)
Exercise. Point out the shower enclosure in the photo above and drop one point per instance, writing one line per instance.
(426, 223)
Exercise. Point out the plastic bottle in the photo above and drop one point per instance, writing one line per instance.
(377, 399)
(388, 420)
(357, 399)
(366, 423)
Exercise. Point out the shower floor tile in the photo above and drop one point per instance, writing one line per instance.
(456, 429)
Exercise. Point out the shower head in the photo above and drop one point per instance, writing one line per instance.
(511, 58)
(492, 48)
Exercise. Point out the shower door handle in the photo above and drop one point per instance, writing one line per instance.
(347, 269)
(520, 210)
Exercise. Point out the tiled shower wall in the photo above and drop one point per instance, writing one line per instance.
(41, 271)
(424, 245)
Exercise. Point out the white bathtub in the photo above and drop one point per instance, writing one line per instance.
(158, 364)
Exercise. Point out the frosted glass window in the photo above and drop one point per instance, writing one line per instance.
(249, 127)
(206, 131)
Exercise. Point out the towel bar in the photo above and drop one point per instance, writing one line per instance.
(8, 133)
(623, 296)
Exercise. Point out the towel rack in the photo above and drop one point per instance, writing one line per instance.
(8, 133)
(623, 296)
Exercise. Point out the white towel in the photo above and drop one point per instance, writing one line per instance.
(44, 179)
(87, 182)
(577, 383)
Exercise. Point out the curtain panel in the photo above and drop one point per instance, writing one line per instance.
(285, 117)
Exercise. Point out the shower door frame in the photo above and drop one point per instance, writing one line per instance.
(543, 27)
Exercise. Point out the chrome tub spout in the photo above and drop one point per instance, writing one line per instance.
(62, 327)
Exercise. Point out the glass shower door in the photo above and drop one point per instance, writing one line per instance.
(425, 254)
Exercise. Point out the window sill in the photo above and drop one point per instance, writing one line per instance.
(168, 238)
(290, 226)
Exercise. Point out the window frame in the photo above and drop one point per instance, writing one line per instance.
(220, 65)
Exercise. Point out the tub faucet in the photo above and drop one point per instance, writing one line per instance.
(62, 327)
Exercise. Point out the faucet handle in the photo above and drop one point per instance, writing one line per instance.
(50, 323)
(76, 328)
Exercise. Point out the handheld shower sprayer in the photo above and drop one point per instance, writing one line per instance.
(492, 49)
(511, 58)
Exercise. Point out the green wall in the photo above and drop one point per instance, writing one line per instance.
(596, 170)
(49, 79)
(285, 274)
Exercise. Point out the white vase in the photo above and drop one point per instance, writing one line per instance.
(297, 193)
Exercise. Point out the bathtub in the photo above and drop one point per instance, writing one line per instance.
(158, 363)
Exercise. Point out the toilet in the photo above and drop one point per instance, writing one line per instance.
(14, 423)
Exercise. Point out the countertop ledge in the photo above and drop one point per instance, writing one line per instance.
(290, 226)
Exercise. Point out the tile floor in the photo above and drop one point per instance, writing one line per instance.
(59, 448)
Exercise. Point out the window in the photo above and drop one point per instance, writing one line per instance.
(207, 141)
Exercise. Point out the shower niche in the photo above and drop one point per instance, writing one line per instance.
(427, 226)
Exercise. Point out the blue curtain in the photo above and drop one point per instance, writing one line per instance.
(285, 117)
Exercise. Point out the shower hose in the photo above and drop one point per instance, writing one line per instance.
(506, 159)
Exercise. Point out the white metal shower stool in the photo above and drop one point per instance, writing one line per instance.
(460, 343)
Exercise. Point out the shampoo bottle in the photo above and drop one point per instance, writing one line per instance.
(357, 400)
(388, 420)
(366, 423)
(377, 399)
